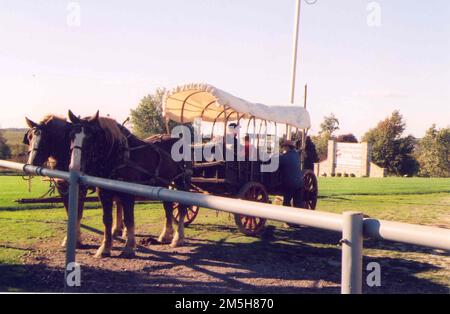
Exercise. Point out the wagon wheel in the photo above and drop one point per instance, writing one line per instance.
(191, 214)
(309, 193)
(252, 191)
(310, 190)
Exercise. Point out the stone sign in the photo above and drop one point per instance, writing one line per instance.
(352, 159)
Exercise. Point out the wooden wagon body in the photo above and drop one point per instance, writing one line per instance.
(198, 103)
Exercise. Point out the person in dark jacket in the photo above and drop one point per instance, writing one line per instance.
(232, 138)
(311, 156)
(291, 175)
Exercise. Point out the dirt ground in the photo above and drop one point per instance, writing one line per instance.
(285, 260)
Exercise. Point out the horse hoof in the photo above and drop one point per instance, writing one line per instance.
(164, 240)
(176, 243)
(127, 254)
(102, 253)
(64, 243)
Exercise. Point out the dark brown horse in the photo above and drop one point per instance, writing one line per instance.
(50, 138)
(111, 151)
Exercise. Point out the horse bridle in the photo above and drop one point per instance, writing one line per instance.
(37, 133)
(78, 128)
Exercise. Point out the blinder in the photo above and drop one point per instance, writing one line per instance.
(37, 132)
(76, 128)
(25, 138)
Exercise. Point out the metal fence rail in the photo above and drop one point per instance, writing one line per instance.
(351, 224)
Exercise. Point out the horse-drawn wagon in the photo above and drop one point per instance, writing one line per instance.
(247, 174)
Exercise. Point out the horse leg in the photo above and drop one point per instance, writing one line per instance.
(128, 212)
(178, 239)
(107, 203)
(167, 233)
(63, 190)
(65, 199)
(118, 229)
(81, 200)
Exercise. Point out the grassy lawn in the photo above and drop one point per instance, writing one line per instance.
(382, 186)
(413, 200)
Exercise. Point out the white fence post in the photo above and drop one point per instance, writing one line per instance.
(71, 223)
(352, 245)
(74, 192)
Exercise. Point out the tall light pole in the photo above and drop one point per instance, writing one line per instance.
(294, 50)
(294, 58)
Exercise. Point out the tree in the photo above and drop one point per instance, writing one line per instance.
(321, 144)
(347, 138)
(433, 153)
(19, 152)
(389, 149)
(329, 125)
(147, 118)
(5, 150)
(405, 161)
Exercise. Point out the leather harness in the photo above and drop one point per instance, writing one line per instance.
(154, 177)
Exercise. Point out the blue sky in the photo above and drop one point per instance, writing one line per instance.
(123, 50)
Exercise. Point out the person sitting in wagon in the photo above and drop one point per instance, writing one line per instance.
(232, 141)
(291, 175)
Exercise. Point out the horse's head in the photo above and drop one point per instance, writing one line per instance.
(36, 139)
(96, 137)
(84, 135)
(45, 139)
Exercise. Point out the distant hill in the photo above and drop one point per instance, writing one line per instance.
(14, 136)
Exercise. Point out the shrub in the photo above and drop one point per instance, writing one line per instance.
(339, 174)
(333, 174)
(352, 175)
(346, 174)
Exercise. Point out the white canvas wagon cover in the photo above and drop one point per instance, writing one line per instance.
(185, 103)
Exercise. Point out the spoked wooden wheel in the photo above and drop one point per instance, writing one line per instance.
(252, 226)
(310, 190)
(192, 212)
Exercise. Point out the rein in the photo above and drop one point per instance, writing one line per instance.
(129, 163)
(153, 176)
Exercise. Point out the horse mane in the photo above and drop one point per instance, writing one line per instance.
(51, 117)
(57, 125)
(112, 131)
